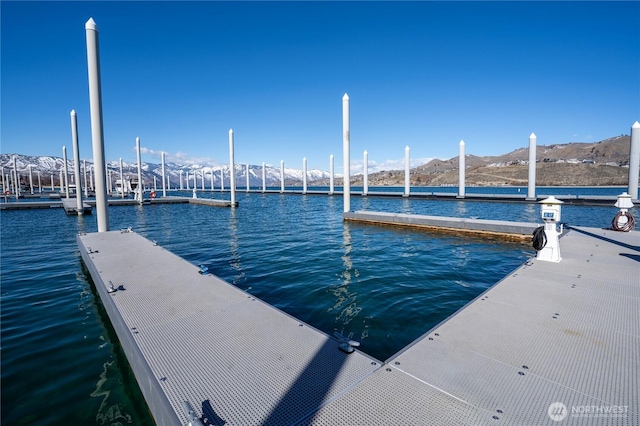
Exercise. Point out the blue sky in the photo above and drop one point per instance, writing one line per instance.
(179, 75)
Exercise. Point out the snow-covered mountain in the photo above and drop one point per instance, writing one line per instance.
(51, 166)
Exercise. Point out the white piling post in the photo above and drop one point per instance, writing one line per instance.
(222, 179)
(39, 183)
(281, 176)
(16, 179)
(461, 171)
(86, 187)
(30, 180)
(331, 184)
(164, 174)
(122, 187)
(61, 181)
(248, 183)
(140, 183)
(407, 170)
(52, 187)
(97, 135)
(91, 175)
(346, 154)
(531, 187)
(264, 178)
(634, 161)
(202, 172)
(66, 171)
(304, 175)
(180, 174)
(76, 160)
(365, 183)
(155, 183)
(232, 169)
(211, 177)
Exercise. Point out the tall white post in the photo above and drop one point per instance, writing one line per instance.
(202, 176)
(86, 186)
(180, 174)
(531, 188)
(232, 170)
(331, 184)
(281, 176)
(461, 171)
(39, 183)
(222, 178)
(140, 183)
(30, 180)
(97, 135)
(16, 179)
(634, 161)
(91, 175)
(52, 187)
(248, 183)
(187, 180)
(164, 174)
(346, 154)
(61, 181)
(211, 177)
(304, 175)
(365, 183)
(264, 178)
(407, 170)
(66, 171)
(122, 187)
(76, 160)
(155, 183)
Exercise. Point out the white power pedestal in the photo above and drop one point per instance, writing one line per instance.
(551, 216)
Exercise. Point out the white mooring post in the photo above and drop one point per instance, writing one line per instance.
(264, 178)
(346, 154)
(222, 179)
(66, 171)
(76, 160)
(61, 181)
(180, 175)
(86, 186)
(365, 183)
(531, 186)
(211, 178)
(202, 181)
(140, 184)
(331, 183)
(16, 179)
(248, 177)
(407, 171)
(155, 183)
(304, 175)
(232, 169)
(30, 179)
(461, 171)
(634, 161)
(121, 181)
(187, 180)
(281, 176)
(52, 186)
(164, 174)
(97, 134)
(39, 183)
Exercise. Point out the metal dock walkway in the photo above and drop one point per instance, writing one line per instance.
(552, 343)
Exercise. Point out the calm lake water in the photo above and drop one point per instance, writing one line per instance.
(62, 363)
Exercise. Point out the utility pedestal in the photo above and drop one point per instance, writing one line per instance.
(551, 216)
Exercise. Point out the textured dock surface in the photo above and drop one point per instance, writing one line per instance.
(549, 340)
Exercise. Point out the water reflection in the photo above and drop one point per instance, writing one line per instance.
(234, 262)
(461, 209)
(346, 299)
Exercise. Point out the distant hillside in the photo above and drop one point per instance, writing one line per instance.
(572, 164)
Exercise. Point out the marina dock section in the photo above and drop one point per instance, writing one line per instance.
(552, 343)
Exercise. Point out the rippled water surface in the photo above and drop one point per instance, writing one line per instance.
(61, 361)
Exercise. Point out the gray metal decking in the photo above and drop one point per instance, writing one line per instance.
(548, 333)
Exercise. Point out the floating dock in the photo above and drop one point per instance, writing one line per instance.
(512, 231)
(550, 342)
(70, 206)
